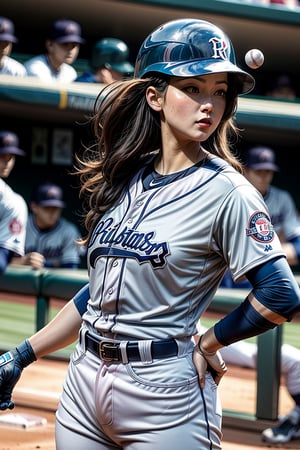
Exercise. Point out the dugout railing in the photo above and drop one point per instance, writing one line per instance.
(62, 284)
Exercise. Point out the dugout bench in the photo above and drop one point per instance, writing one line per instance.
(62, 284)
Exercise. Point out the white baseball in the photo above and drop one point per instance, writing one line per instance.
(254, 58)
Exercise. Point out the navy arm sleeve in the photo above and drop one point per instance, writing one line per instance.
(81, 299)
(275, 287)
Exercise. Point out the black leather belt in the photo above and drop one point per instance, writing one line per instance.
(110, 351)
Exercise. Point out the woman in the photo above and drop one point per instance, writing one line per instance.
(168, 211)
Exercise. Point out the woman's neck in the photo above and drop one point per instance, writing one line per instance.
(177, 161)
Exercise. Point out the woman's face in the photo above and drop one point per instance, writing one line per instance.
(192, 108)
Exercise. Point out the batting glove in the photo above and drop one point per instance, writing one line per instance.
(12, 364)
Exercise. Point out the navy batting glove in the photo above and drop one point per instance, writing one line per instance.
(12, 364)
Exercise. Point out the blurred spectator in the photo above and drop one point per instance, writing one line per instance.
(108, 62)
(282, 87)
(62, 48)
(50, 239)
(13, 208)
(8, 65)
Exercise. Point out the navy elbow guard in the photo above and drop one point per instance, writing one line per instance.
(242, 323)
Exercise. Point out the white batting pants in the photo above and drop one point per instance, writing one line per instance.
(137, 406)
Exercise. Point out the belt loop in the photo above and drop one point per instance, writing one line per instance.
(123, 350)
(145, 351)
(82, 339)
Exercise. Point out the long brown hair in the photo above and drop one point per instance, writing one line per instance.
(126, 131)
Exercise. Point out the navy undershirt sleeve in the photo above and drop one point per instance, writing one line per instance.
(275, 287)
(81, 299)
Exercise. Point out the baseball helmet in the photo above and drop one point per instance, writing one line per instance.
(190, 47)
(113, 54)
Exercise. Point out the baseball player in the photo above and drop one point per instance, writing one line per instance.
(62, 48)
(51, 240)
(169, 211)
(108, 62)
(13, 208)
(8, 65)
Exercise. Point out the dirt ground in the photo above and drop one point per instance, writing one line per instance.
(39, 388)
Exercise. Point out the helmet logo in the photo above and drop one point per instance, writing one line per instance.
(219, 48)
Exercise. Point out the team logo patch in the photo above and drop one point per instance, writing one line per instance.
(15, 227)
(260, 227)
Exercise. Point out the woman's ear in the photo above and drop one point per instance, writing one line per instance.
(154, 98)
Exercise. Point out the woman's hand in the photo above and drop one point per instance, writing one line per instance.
(205, 361)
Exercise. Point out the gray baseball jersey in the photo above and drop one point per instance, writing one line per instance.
(156, 259)
(58, 245)
(283, 212)
(13, 218)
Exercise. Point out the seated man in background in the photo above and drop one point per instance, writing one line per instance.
(50, 238)
(8, 65)
(13, 208)
(62, 48)
(108, 62)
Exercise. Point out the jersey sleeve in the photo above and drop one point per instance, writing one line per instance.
(13, 219)
(247, 237)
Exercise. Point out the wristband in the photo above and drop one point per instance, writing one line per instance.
(25, 353)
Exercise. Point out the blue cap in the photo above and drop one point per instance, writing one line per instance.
(9, 144)
(7, 30)
(48, 194)
(64, 31)
(261, 158)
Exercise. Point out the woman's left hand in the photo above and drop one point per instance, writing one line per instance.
(212, 362)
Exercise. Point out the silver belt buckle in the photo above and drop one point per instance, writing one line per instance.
(108, 351)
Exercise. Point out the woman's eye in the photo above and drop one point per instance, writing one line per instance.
(191, 89)
(221, 93)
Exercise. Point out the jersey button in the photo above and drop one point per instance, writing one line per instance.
(129, 220)
(110, 291)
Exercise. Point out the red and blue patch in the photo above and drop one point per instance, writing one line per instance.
(260, 227)
(15, 226)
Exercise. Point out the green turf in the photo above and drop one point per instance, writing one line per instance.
(17, 322)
